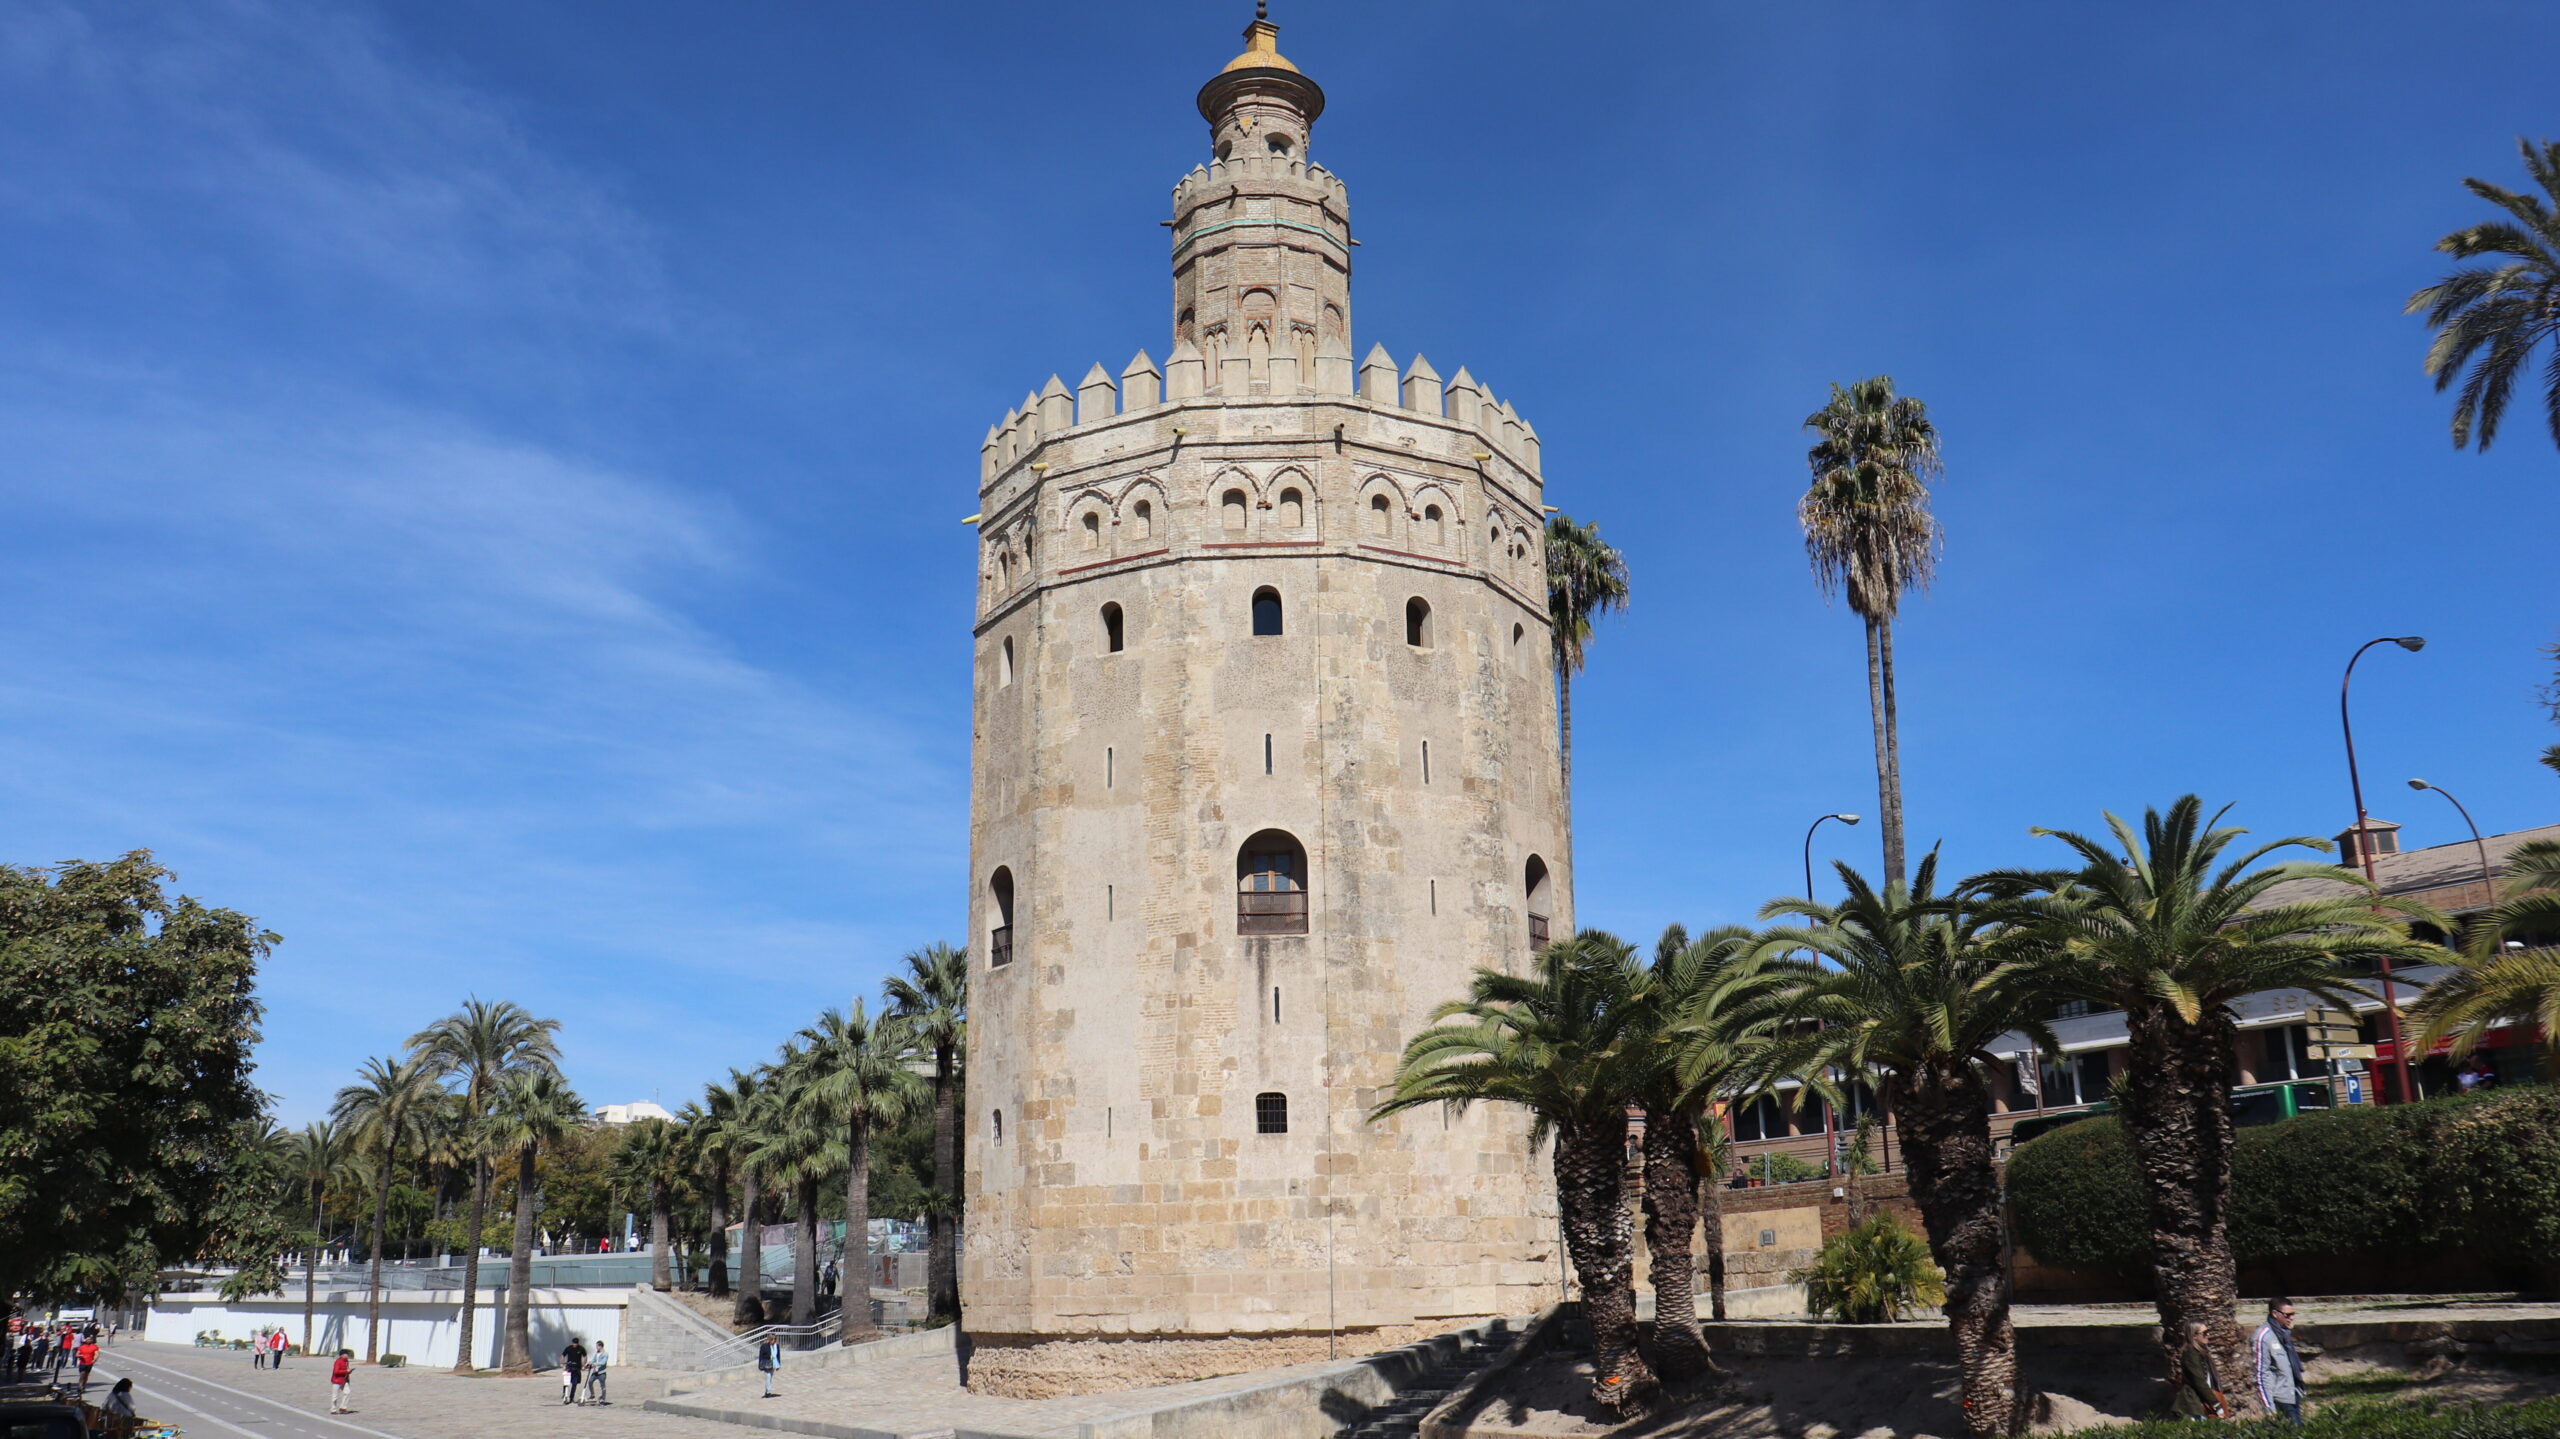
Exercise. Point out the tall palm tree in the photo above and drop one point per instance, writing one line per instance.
(644, 1170)
(799, 1147)
(2493, 984)
(386, 1108)
(532, 1110)
(1703, 1018)
(1555, 1043)
(1586, 577)
(1924, 984)
(749, 1125)
(1868, 530)
(320, 1159)
(858, 1075)
(2160, 925)
(712, 1135)
(478, 1046)
(932, 1000)
(2489, 319)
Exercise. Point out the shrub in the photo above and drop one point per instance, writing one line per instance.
(1776, 1168)
(1872, 1274)
(2479, 1173)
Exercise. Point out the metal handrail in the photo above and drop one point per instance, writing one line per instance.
(729, 1353)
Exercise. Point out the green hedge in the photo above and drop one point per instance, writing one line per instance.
(2479, 1173)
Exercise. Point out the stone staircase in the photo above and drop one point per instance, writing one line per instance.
(1402, 1416)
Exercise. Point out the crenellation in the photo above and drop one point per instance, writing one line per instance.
(1057, 407)
(1378, 376)
(1097, 398)
(1422, 387)
(1141, 384)
(1185, 376)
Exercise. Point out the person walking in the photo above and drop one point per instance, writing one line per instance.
(276, 1346)
(119, 1410)
(595, 1374)
(86, 1356)
(2279, 1362)
(69, 1339)
(768, 1363)
(573, 1367)
(341, 1373)
(258, 1350)
(2199, 1389)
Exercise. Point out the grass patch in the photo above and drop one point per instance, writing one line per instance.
(2372, 1384)
(2378, 1419)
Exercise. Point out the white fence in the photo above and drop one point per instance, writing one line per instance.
(424, 1326)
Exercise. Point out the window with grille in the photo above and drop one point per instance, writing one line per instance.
(1271, 1113)
(1271, 885)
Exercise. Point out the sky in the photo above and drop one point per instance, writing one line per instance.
(480, 483)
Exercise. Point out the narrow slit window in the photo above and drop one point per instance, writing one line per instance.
(1275, 1004)
(1004, 662)
(1110, 767)
(1113, 629)
(1426, 761)
(1435, 896)
(1417, 623)
(1271, 1113)
(1266, 754)
(999, 1123)
(1106, 1121)
(1110, 903)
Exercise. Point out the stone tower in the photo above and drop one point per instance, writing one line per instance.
(1264, 765)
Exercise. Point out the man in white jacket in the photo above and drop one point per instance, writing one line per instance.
(2279, 1363)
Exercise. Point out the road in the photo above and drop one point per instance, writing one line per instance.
(200, 1405)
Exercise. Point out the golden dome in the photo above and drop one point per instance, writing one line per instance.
(1261, 50)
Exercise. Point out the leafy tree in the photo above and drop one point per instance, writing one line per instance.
(1555, 1043)
(932, 1000)
(1586, 577)
(127, 1021)
(2160, 925)
(1869, 532)
(388, 1107)
(1923, 986)
(321, 1160)
(479, 1045)
(749, 1127)
(857, 1075)
(2489, 319)
(534, 1110)
(645, 1170)
(1874, 1273)
(797, 1147)
(2492, 984)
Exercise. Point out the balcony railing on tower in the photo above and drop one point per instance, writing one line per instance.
(1000, 945)
(1269, 911)
(1537, 931)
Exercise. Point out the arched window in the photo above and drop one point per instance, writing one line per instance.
(1271, 1112)
(1111, 628)
(1092, 530)
(1381, 516)
(1000, 910)
(1231, 510)
(1541, 901)
(1417, 623)
(1293, 509)
(1279, 144)
(997, 1117)
(1520, 648)
(1437, 523)
(1271, 885)
(1266, 611)
(1144, 517)
(1004, 662)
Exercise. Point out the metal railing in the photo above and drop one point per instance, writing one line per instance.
(1269, 911)
(730, 1353)
(1000, 946)
(1537, 931)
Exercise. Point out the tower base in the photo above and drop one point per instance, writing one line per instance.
(1046, 1366)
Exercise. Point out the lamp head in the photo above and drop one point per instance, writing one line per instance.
(1846, 818)
(2411, 643)
(2420, 784)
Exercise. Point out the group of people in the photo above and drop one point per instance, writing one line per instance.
(268, 1348)
(2275, 1359)
(580, 1366)
(38, 1353)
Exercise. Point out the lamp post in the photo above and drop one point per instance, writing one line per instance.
(2488, 882)
(2364, 847)
(1830, 1117)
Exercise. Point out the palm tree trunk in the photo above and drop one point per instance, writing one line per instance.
(463, 1362)
(311, 1263)
(1888, 783)
(659, 1222)
(1590, 1167)
(1670, 1218)
(750, 1248)
(720, 1229)
(1946, 1150)
(1711, 1219)
(1564, 735)
(1893, 837)
(373, 1296)
(942, 1263)
(804, 1254)
(2177, 1116)
(517, 1356)
(857, 1236)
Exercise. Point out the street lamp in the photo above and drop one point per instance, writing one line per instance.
(1830, 1116)
(2364, 847)
(2488, 883)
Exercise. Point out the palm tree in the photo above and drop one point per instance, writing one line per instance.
(479, 1045)
(1586, 577)
(749, 1126)
(1924, 984)
(385, 1108)
(712, 1132)
(1703, 1016)
(1868, 530)
(533, 1109)
(320, 1158)
(932, 1000)
(1555, 1042)
(798, 1148)
(2489, 319)
(2494, 984)
(858, 1075)
(644, 1171)
(2159, 925)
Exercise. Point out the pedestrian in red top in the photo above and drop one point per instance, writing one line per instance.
(87, 1356)
(339, 1374)
(276, 1346)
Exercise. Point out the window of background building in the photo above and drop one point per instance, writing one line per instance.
(1271, 1113)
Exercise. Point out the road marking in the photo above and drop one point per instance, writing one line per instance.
(260, 1399)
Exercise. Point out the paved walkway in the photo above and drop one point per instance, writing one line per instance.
(215, 1394)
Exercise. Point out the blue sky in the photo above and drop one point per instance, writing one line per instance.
(482, 480)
